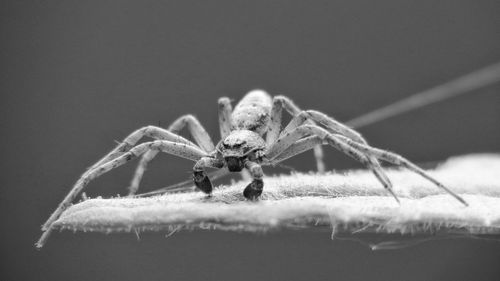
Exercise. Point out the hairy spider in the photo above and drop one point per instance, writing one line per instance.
(251, 137)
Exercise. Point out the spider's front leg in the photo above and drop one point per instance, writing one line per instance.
(198, 132)
(175, 148)
(304, 137)
(120, 150)
(131, 140)
(202, 139)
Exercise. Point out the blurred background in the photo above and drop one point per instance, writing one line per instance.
(77, 75)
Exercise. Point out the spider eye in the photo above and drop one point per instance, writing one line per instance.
(237, 145)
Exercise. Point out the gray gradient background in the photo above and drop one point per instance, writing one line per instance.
(76, 75)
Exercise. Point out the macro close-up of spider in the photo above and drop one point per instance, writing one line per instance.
(251, 140)
(251, 137)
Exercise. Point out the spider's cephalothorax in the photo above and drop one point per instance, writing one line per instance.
(239, 146)
(251, 137)
(243, 149)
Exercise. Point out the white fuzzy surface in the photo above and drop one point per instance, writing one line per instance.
(352, 201)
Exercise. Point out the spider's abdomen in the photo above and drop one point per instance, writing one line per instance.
(252, 112)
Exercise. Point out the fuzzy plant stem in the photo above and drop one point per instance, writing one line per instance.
(345, 202)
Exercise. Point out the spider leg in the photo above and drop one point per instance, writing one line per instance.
(333, 126)
(398, 160)
(120, 149)
(273, 133)
(328, 122)
(200, 177)
(140, 169)
(202, 138)
(175, 148)
(200, 135)
(293, 143)
(300, 146)
(225, 110)
(132, 139)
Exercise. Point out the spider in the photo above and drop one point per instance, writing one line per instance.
(251, 137)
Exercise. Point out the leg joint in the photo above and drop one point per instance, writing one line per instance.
(255, 170)
(224, 101)
(148, 129)
(187, 118)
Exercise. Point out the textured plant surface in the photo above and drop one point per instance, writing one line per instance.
(351, 201)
